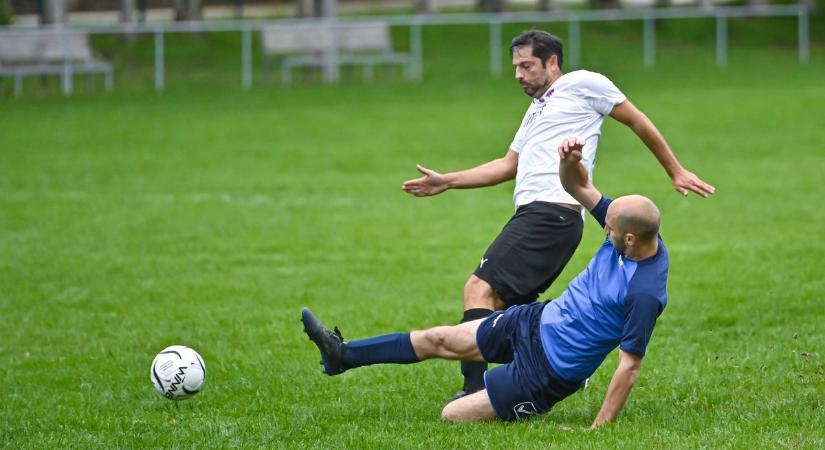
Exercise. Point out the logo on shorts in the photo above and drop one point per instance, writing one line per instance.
(495, 321)
(525, 409)
(483, 260)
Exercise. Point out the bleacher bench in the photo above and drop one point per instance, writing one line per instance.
(308, 45)
(49, 52)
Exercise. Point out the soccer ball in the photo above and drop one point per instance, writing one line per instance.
(178, 372)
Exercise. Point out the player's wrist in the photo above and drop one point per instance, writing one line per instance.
(673, 169)
(452, 180)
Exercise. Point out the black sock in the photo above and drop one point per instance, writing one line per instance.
(474, 371)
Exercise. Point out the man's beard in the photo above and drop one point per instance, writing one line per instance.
(532, 89)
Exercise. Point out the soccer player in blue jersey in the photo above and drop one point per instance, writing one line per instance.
(546, 349)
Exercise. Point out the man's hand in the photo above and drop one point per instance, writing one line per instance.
(432, 183)
(570, 149)
(684, 181)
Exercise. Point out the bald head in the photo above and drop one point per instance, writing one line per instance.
(637, 215)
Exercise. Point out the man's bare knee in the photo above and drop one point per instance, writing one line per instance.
(449, 414)
(472, 408)
(453, 413)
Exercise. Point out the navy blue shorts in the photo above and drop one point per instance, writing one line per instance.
(525, 384)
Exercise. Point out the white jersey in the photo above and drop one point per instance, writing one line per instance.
(575, 105)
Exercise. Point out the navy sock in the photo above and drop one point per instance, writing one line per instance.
(473, 371)
(393, 348)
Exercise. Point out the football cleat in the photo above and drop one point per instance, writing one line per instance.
(329, 343)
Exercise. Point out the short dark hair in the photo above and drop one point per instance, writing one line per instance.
(543, 43)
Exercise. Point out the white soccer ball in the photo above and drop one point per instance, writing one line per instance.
(178, 372)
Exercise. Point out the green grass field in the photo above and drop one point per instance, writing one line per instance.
(208, 216)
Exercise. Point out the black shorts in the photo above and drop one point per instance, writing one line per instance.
(531, 251)
(526, 384)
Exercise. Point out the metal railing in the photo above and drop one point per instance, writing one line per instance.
(574, 20)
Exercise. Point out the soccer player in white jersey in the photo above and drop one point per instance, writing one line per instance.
(538, 241)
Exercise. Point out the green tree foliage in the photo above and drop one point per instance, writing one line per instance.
(6, 13)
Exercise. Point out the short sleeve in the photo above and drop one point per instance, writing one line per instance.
(599, 212)
(518, 140)
(641, 312)
(601, 94)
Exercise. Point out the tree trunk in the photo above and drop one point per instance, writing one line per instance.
(303, 8)
(127, 10)
(141, 6)
(188, 10)
(546, 5)
(52, 11)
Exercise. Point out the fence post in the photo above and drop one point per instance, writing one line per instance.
(66, 78)
(159, 69)
(495, 48)
(804, 37)
(331, 54)
(246, 58)
(67, 75)
(416, 49)
(574, 41)
(650, 42)
(721, 40)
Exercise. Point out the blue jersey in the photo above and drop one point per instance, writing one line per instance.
(613, 302)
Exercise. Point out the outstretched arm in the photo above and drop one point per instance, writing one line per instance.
(620, 386)
(573, 175)
(683, 180)
(487, 174)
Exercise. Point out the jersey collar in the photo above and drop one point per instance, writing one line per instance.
(544, 97)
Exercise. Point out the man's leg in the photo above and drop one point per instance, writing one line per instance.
(448, 342)
(470, 408)
(480, 300)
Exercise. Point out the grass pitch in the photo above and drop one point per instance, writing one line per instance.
(130, 222)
